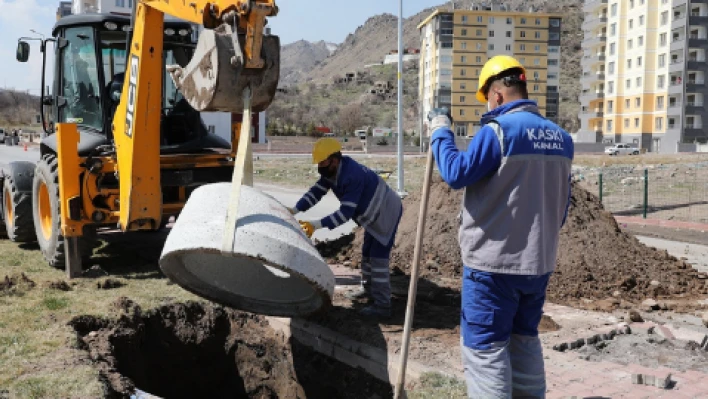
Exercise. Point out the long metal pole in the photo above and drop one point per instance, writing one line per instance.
(400, 98)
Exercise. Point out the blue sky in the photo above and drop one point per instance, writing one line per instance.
(311, 20)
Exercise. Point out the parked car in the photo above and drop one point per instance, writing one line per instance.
(621, 149)
(2, 135)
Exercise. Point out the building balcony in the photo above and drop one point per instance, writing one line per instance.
(593, 22)
(675, 88)
(698, 20)
(594, 40)
(677, 44)
(696, 65)
(694, 85)
(593, 58)
(590, 114)
(592, 5)
(697, 41)
(695, 108)
(677, 65)
(699, 1)
(590, 77)
(585, 98)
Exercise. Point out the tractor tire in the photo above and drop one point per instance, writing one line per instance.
(47, 220)
(17, 212)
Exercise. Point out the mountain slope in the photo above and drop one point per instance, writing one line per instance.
(300, 57)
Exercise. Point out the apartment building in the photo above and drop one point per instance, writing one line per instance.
(456, 43)
(644, 67)
(64, 9)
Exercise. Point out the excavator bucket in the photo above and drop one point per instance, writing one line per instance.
(216, 75)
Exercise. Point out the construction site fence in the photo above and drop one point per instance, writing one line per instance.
(668, 192)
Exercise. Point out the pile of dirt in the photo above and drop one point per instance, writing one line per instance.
(109, 283)
(59, 285)
(195, 350)
(16, 284)
(596, 259)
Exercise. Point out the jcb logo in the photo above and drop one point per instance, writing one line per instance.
(132, 87)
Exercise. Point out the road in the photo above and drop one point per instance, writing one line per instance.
(696, 255)
(286, 196)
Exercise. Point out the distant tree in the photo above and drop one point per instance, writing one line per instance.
(350, 117)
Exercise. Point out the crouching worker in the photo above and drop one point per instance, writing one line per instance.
(516, 180)
(365, 197)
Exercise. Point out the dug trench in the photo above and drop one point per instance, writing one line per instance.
(195, 350)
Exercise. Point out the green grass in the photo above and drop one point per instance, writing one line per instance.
(435, 386)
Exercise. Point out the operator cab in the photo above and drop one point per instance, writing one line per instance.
(89, 71)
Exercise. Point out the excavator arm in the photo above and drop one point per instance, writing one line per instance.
(232, 53)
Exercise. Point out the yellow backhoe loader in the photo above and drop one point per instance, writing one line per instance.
(126, 145)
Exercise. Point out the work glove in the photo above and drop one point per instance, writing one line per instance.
(310, 227)
(437, 118)
(292, 210)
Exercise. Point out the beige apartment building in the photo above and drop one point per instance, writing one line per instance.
(455, 44)
(644, 66)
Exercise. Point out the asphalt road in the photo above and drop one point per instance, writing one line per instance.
(286, 196)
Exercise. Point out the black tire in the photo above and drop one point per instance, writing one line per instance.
(49, 237)
(17, 212)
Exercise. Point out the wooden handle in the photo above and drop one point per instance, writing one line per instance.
(243, 174)
(413, 287)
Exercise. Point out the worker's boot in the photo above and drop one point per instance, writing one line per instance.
(376, 311)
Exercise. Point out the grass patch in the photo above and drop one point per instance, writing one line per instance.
(54, 303)
(435, 385)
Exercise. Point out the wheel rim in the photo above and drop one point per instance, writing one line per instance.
(8, 210)
(45, 211)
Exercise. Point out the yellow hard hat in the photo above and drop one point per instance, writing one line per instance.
(494, 67)
(325, 147)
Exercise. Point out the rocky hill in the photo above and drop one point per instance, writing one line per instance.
(17, 108)
(370, 43)
(300, 57)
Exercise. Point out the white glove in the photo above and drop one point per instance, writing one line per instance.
(438, 122)
(292, 211)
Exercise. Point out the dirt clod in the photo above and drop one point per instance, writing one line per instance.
(16, 284)
(193, 350)
(109, 283)
(634, 316)
(60, 285)
(597, 262)
(547, 324)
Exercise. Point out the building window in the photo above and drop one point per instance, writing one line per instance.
(461, 130)
(535, 75)
(609, 126)
(491, 20)
(522, 34)
(551, 76)
(631, 24)
(536, 61)
(523, 21)
(479, 32)
(613, 10)
(626, 122)
(629, 63)
(463, 32)
(613, 29)
(491, 46)
(639, 61)
(552, 62)
(463, 45)
(537, 34)
(445, 72)
(553, 49)
(537, 48)
(522, 47)
(659, 123)
(120, 3)
(628, 83)
(446, 45)
(491, 33)
(552, 89)
(629, 44)
(480, 19)
(662, 60)
(478, 59)
(508, 33)
(555, 22)
(464, 19)
(640, 41)
(463, 72)
(662, 39)
(660, 102)
(479, 46)
(637, 102)
(626, 104)
(463, 85)
(610, 105)
(554, 36)
(463, 59)
(664, 17)
(611, 68)
(462, 112)
(535, 87)
(611, 87)
(538, 21)
(631, 3)
(508, 47)
(641, 20)
(508, 21)
(639, 81)
(462, 99)
(636, 122)
(476, 72)
(612, 49)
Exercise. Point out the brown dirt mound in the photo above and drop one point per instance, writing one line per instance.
(59, 285)
(109, 284)
(193, 350)
(16, 284)
(596, 259)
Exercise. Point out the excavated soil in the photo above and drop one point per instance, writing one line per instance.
(599, 266)
(193, 350)
(16, 284)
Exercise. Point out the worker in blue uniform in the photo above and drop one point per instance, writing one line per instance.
(366, 198)
(515, 175)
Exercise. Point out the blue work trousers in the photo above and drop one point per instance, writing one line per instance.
(375, 274)
(501, 352)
